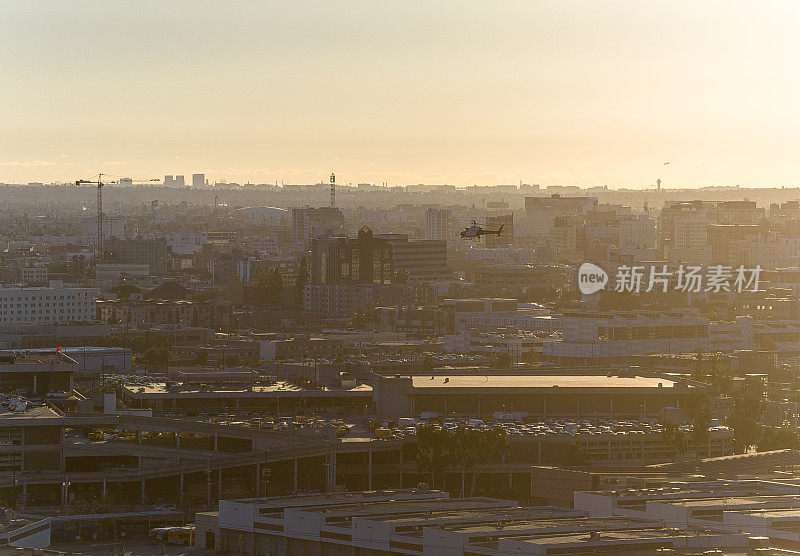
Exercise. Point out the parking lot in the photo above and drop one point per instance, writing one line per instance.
(521, 429)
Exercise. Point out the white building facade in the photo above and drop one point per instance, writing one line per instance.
(47, 305)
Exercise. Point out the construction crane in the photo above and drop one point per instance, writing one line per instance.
(100, 183)
(98, 244)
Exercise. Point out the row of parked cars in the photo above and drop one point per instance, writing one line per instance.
(268, 421)
(522, 429)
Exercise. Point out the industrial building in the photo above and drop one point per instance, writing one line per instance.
(420, 521)
(611, 337)
(767, 509)
(277, 397)
(545, 395)
(36, 372)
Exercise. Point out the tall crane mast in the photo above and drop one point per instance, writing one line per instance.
(98, 244)
(100, 183)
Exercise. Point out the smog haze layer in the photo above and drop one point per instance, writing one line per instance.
(552, 92)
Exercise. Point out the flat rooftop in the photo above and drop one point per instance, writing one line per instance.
(540, 381)
(40, 412)
(323, 499)
(279, 389)
(491, 513)
(565, 523)
(34, 357)
(640, 535)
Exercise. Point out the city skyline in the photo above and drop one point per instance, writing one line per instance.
(572, 93)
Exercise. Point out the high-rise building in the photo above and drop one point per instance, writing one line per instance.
(112, 227)
(418, 260)
(494, 223)
(311, 222)
(153, 252)
(344, 260)
(174, 181)
(198, 180)
(683, 226)
(437, 224)
(541, 212)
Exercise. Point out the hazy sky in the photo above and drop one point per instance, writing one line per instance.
(563, 92)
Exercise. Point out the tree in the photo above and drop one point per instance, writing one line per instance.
(575, 455)
(434, 452)
(156, 357)
(745, 416)
(698, 413)
(721, 374)
(778, 438)
(493, 446)
(439, 450)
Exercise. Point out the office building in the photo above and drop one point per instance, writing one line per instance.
(541, 212)
(311, 222)
(112, 228)
(174, 181)
(30, 274)
(418, 260)
(437, 224)
(611, 337)
(343, 260)
(111, 275)
(198, 180)
(683, 226)
(155, 253)
(495, 222)
(39, 305)
(155, 312)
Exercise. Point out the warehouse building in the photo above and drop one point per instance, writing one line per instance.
(277, 397)
(418, 521)
(545, 395)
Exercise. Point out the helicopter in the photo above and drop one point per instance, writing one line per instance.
(475, 231)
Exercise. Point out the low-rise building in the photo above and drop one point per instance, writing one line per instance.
(611, 337)
(766, 509)
(139, 313)
(422, 522)
(111, 275)
(542, 395)
(31, 439)
(276, 397)
(36, 372)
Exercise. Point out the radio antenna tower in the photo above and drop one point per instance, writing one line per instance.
(333, 190)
